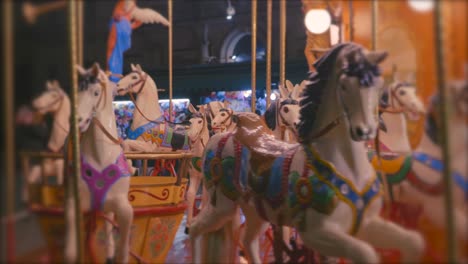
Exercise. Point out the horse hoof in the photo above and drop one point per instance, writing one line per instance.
(109, 261)
(186, 231)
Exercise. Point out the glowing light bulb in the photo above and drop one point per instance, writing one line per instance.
(317, 21)
(228, 17)
(421, 5)
(273, 96)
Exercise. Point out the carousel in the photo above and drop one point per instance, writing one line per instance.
(363, 161)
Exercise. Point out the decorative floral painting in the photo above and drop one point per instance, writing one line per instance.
(124, 113)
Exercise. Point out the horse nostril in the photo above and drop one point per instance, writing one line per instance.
(80, 119)
(359, 132)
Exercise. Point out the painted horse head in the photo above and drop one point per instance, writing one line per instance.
(134, 82)
(198, 124)
(93, 95)
(347, 85)
(222, 120)
(50, 100)
(284, 112)
(401, 97)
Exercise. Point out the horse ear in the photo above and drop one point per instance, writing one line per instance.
(95, 69)
(139, 67)
(48, 85)
(226, 104)
(283, 91)
(411, 78)
(376, 57)
(81, 70)
(192, 109)
(133, 67)
(56, 84)
(289, 85)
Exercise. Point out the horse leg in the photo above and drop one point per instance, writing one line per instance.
(59, 171)
(328, 239)
(70, 233)
(124, 214)
(385, 234)
(195, 179)
(255, 226)
(211, 218)
(110, 245)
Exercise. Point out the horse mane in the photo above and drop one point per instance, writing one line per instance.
(270, 116)
(313, 93)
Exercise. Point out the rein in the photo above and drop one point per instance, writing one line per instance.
(394, 98)
(229, 117)
(104, 130)
(198, 137)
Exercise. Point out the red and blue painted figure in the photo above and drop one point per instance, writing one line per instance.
(120, 37)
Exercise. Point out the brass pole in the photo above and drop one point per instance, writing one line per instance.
(9, 126)
(375, 18)
(268, 52)
(169, 14)
(80, 30)
(441, 83)
(282, 51)
(351, 20)
(72, 31)
(254, 53)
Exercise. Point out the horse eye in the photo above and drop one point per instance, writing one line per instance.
(96, 93)
(402, 92)
(223, 114)
(134, 77)
(286, 109)
(199, 121)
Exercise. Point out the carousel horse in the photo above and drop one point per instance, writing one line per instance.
(150, 131)
(325, 186)
(415, 179)
(199, 136)
(399, 102)
(55, 101)
(105, 176)
(221, 120)
(282, 116)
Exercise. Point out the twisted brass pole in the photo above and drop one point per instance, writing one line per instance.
(447, 179)
(80, 31)
(282, 51)
(268, 53)
(169, 14)
(375, 18)
(9, 126)
(72, 31)
(254, 54)
(351, 20)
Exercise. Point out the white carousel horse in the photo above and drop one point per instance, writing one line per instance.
(105, 175)
(325, 186)
(53, 100)
(149, 130)
(282, 116)
(416, 179)
(221, 120)
(199, 136)
(400, 101)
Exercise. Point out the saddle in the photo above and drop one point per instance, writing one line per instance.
(264, 150)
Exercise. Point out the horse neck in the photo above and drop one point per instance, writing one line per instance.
(148, 103)
(60, 126)
(349, 157)
(200, 143)
(397, 136)
(98, 148)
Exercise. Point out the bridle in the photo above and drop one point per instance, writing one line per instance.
(59, 100)
(198, 136)
(284, 123)
(391, 108)
(364, 79)
(229, 112)
(103, 86)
